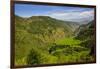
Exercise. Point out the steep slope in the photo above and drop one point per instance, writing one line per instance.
(44, 22)
(46, 27)
(87, 34)
(86, 31)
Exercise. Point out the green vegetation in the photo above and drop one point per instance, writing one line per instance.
(68, 41)
(44, 40)
(87, 36)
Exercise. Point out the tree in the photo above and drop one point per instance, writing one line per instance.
(33, 57)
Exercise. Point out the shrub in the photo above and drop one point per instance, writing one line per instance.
(33, 57)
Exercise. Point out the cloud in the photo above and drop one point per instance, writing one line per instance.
(73, 15)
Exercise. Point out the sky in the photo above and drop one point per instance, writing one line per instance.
(66, 13)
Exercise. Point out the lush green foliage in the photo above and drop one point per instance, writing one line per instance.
(44, 40)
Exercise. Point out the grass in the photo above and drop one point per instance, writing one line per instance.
(68, 41)
(69, 54)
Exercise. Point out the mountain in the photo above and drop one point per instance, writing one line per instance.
(46, 27)
(39, 32)
(85, 30)
(86, 33)
(45, 40)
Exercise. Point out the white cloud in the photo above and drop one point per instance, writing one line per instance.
(76, 16)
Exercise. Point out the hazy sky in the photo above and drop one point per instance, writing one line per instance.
(66, 13)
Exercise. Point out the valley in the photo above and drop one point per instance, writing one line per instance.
(45, 40)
